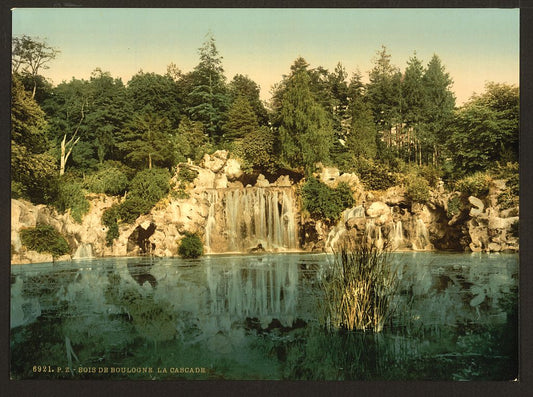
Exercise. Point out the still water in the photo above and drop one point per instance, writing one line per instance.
(259, 317)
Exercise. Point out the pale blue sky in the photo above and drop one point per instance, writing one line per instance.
(475, 45)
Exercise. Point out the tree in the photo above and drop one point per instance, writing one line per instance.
(439, 104)
(29, 56)
(383, 93)
(486, 129)
(413, 98)
(241, 119)
(208, 99)
(66, 109)
(149, 138)
(151, 92)
(191, 141)
(33, 169)
(361, 141)
(305, 130)
(247, 88)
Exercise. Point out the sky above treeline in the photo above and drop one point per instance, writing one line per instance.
(475, 45)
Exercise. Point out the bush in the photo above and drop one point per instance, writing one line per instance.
(110, 220)
(374, 176)
(186, 174)
(417, 188)
(475, 185)
(108, 180)
(44, 238)
(132, 208)
(454, 207)
(323, 202)
(191, 246)
(150, 185)
(72, 196)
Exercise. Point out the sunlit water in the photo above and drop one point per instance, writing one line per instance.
(259, 317)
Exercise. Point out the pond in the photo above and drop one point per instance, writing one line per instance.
(259, 317)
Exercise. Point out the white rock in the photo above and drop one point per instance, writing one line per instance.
(262, 181)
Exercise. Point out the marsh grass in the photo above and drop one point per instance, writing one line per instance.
(360, 287)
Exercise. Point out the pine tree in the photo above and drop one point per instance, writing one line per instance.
(241, 119)
(305, 130)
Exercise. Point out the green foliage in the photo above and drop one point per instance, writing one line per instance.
(323, 202)
(417, 188)
(191, 141)
(362, 138)
(44, 238)
(132, 208)
(71, 195)
(486, 129)
(258, 150)
(150, 185)
(241, 119)
(475, 185)
(305, 129)
(374, 175)
(109, 220)
(149, 140)
(454, 207)
(191, 246)
(186, 174)
(109, 180)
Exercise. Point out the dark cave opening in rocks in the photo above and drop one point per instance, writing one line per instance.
(139, 240)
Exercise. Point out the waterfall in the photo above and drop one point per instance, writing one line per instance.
(242, 219)
(421, 240)
(84, 251)
(396, 237)
(338, 230)
(374, 233)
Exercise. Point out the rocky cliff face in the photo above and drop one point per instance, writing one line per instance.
(233, 212)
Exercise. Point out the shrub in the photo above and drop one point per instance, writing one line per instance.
(110, 220)
(191, 246)
(108, 180)
(454, 206)
(475, 185)
(360, 287)
(186, 174)
(323, 202)
(417, 188)
(132, 208)
(374, 176)
(72, 196)
(44, 238)
(150, 185)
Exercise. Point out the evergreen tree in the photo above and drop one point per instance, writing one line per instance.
(305, 130)
(208, 99)
(361, 142)
(241, 119)
(439, 104)
(149, 140)
(247, 88)
(413, 100)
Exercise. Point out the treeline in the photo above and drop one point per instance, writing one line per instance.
(97, 134)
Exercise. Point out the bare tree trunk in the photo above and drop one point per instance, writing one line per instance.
(67, 146)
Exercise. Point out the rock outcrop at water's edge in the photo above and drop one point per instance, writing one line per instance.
(235, 212)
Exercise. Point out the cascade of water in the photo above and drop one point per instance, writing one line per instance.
(374, 233)
(339, 229)
(253, 216)
(84, 251)
(210, 226)
(421, 240)
(396, 238)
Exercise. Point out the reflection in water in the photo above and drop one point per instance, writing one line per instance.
(256, 317)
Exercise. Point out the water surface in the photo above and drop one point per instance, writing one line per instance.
(259, 317)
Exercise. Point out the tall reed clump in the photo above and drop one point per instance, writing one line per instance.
(360, 287)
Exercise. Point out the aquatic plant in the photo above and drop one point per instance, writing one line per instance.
(360, 286)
